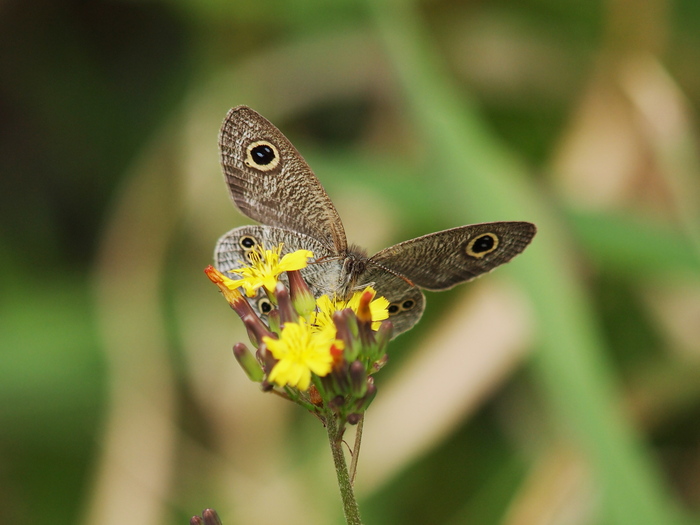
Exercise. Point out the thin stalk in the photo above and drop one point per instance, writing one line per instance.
(350, 508)
(356, 449)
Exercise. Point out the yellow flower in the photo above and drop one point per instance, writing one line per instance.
(378, 307)
(326, 308)
(300, 351)
(266, 267)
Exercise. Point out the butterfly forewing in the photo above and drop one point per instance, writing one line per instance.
(271, 183)
(441, 260)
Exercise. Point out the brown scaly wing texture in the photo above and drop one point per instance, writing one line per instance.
(407, 302)
(441, 260)
(232, 249)
(271, 183)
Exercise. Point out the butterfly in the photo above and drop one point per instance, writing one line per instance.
(270, 182)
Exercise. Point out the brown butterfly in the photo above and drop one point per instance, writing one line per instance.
(271, 183)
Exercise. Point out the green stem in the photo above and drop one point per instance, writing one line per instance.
(356, 450)
(350, 508)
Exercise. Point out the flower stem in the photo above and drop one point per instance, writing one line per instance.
(350, 508)
(356, 450)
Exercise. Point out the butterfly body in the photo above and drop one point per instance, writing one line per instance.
(270, 182)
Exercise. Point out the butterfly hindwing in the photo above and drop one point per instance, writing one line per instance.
(233, 248)
(406, 302)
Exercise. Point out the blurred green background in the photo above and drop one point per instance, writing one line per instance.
(562, 389)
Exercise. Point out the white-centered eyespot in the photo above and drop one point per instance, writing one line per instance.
(262, 155)
(482, 245)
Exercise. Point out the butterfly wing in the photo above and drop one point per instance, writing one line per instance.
(232, 251)
(271, 182)
(407, 302)
(441, 260)
(323, 277)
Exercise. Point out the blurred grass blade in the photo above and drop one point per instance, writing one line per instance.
(490, 182)
(628, 244)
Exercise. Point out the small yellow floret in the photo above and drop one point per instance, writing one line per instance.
(266, 267)
(300, 351)
(326, 308)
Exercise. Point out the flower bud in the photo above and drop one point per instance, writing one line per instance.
(364, 315)
(341, 320)
(358, 378)
(302, 298)
(336, 402)
(248, 362)
(345, 322)
(341, 377)
(353, 418)
(273, 321)
(284, 304)
(365, 401)
(379, 363)
(256, 329)
(209, 517)
(386, 329)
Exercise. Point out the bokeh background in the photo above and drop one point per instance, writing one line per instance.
(562, 389)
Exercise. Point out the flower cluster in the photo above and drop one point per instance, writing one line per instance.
(318, 352)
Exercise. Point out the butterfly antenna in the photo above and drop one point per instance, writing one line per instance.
(392, 272)
(326, 258)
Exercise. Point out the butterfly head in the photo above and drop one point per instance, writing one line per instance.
(354, 265)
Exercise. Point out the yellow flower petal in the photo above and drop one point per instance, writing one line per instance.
(326, 308)
(295, 260)
(379, 309)
(300, 351)
(265, 268)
